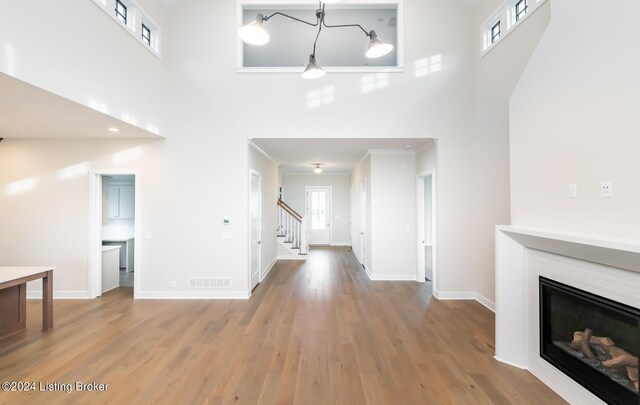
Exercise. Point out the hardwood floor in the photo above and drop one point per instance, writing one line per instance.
(318, 332)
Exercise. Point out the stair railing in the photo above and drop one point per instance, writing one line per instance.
(293, 227)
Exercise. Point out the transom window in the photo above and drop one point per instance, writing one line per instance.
(132, 18)
(146, 35)
(121, 12)
(509, 15)
(522, 7)
(495, 32)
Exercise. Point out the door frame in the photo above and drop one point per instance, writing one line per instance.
(259, 258)
(363, 223)
(94, 275)
(421, 228)
(306, 206)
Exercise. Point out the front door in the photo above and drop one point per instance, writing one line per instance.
(319, 214)
(256, 220)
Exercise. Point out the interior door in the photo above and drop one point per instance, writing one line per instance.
(363, 222)
(319, 214)
(256, 225)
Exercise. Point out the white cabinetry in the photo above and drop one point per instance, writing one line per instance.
(121, 202)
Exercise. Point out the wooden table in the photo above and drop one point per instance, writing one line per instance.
(13, 297)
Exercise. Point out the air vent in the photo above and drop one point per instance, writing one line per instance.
(209, 282)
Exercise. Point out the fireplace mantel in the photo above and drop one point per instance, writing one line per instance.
(611, 258)
(620, 253)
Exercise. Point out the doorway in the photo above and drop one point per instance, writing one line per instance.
(255, 227)
(113, 232)
(318, 204)
(426, 216)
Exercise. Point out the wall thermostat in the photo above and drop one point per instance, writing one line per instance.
(226, 221)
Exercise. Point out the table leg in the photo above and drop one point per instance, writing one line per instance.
(47, 301)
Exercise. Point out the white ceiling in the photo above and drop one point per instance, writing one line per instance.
(336, 155)
(27, 111)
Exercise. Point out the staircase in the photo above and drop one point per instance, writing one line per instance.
(292, 233)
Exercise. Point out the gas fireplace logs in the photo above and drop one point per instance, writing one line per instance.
(610, 356)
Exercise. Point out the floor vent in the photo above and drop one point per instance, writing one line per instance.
(209, 282)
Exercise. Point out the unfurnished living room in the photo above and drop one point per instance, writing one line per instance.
(319, 202)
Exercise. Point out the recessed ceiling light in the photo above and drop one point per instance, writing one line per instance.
(113, 129)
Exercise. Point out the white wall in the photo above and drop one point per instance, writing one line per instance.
(295, 195)
(269, 180)
(393, 215)
(74, 49)
(574, 120)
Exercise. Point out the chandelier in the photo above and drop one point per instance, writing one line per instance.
(255, 34)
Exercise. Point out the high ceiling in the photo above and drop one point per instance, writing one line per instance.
(27, 111)
(336, 155)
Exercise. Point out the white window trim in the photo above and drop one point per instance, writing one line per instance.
(136, 16)
(243, 4)
(506, 15)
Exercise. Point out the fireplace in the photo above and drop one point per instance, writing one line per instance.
(594, 340)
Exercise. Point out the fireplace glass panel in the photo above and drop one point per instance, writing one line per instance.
(594, 340)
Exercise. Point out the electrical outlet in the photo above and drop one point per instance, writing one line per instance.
(174, 284)
(573, 191)
(606, 189)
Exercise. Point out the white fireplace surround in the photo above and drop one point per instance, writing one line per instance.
(604, 266)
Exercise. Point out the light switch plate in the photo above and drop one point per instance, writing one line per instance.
(227, 235)
(573, 191)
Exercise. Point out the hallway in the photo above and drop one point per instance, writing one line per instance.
(314, 332)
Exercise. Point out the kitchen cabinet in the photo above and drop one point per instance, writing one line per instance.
(110, 268)
(126, 259)
(121, 202)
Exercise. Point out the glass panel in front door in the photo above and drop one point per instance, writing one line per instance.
(318, 209)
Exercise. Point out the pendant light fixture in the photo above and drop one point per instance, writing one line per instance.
(317, 169)
(255, 34)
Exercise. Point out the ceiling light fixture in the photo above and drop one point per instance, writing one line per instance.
(317, 169)
(114, 129)
(255, 34)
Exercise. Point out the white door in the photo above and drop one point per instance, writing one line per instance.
(256, 223)
(363, 222)
(319, 214)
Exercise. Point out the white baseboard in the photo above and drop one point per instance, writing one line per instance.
(264, 274)
(296, 257)
(484, 301)
(357, 255)
(193, 295)
(510, 363)
(344, 244)
(60, 295)
(490, 305)
(393, 277)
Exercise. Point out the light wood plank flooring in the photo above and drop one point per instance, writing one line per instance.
(318, 332)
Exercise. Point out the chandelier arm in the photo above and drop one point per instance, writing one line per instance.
(345, 26)
(291, 17)
(316, 41)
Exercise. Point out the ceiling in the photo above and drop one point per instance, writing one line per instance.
(338, 155)
(27, 111)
